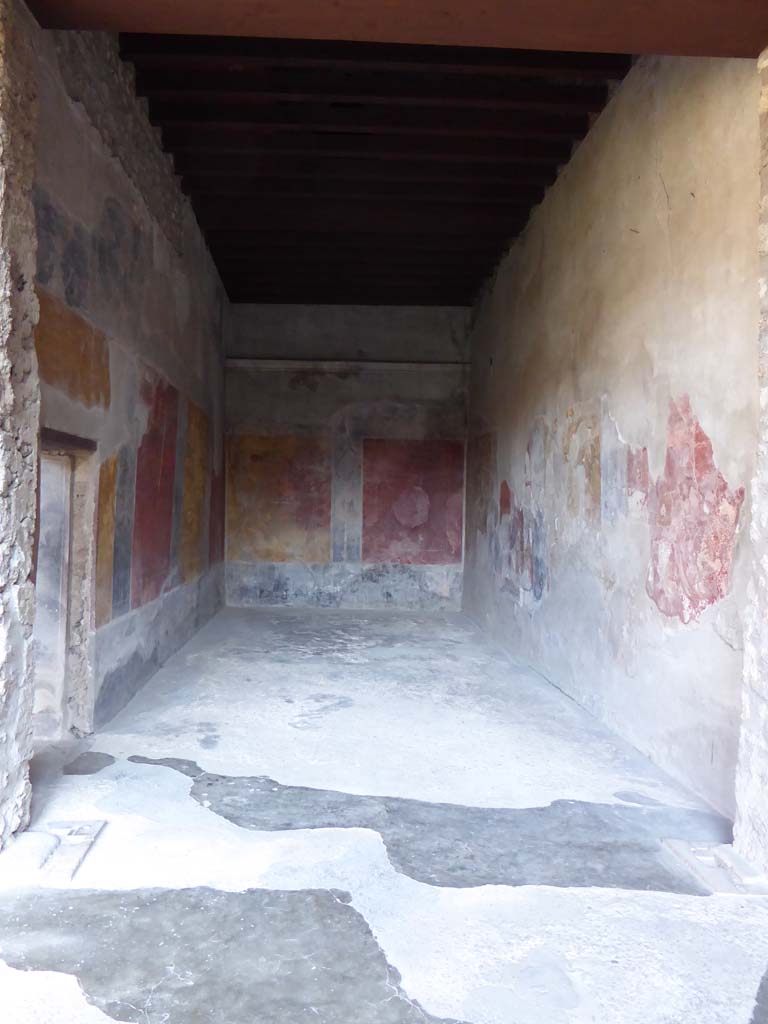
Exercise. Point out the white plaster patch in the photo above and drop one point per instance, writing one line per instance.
(45, 997)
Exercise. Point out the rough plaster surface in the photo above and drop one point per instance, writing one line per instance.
(396, 333)
(402, 708)
(375, 401)
(752, 775)
(611, 441)
(131, 648)
(96, 77)
(19, 409)
(118, 243)
(344, 585)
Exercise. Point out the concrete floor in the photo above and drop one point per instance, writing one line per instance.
(353, 818)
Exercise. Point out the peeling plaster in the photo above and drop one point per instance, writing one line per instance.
(694, 516)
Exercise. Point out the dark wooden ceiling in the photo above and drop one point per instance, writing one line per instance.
(338, 172)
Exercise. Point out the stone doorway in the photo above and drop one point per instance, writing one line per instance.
(63, 631)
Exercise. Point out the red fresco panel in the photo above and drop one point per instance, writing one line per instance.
(412, 501)
(694, 516)
(153, 516)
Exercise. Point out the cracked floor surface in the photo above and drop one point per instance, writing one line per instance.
(352, 818)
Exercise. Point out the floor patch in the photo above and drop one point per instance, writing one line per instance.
(192, 955)
(570, 843)
(89, 763)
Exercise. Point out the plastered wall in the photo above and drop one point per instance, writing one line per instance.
(613, 420)
(751, 831)
(130, 346)
(345, 480)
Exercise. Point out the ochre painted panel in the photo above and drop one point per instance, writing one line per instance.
(278, 499)
(193, 502)
(153, 514)
(105, 540)
(412, 501)
(73, 357)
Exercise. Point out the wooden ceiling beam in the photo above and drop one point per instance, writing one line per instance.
(472, 192)
(384, 217)
(441, 297)
(264, 254)
(346, 172)
(380, 88)
(222, 166)
(360, 238)
(409, 279)
(243, 140)
(300, 280)
(268, 262)
(217, 53)
(321, 117)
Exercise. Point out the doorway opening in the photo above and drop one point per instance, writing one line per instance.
(63, 630)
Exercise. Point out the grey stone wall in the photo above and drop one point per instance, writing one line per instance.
(751, 831)
(19, 409)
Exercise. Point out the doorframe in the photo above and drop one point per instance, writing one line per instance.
(80, 676)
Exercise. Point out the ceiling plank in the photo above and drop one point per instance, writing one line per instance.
(386, 218)
(216, 53)
(354, 293)
(471, 192)
(354, 118)
(438, 297)
(359, 238)
(268, 262)
(242, 246)
(244, 139)
(378, 87)
(221, 167)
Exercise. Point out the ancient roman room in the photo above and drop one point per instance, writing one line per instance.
(383, 512)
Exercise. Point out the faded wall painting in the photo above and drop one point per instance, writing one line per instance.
(278, 499)
(153, 513)
(191, 554)
(72, 356)
(412, 501)
(693, 517)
